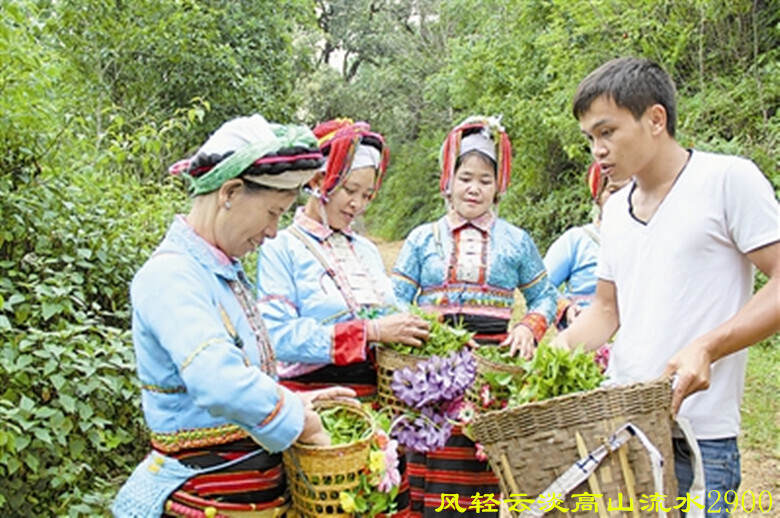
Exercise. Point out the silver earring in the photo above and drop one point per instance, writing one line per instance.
(227, 205)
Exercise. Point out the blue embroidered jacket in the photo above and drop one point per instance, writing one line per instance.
(473, 267)
(206, 374)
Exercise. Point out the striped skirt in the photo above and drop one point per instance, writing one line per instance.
(256, 485)
(435, 477)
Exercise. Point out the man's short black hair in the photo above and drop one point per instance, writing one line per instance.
(632, 83)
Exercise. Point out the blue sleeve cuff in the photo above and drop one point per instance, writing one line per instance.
(285, 427)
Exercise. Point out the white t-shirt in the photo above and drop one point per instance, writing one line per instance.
(684, 273)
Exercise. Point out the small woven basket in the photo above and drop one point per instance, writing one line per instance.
(387, 362)
(317, 474)
(531, 445)
(484, 366)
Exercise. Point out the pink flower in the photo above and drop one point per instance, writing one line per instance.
(391, 477)
(602, 357)
(479, 452)
(485, 396)
(381, 439)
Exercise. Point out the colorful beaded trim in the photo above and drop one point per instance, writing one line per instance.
(196, 438)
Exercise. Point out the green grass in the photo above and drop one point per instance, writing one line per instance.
(760, 404)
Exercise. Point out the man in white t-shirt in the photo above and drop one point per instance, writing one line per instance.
(675, 270)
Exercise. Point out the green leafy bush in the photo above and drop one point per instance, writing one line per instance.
(70, 411)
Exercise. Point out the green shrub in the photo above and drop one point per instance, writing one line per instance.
(70, 416)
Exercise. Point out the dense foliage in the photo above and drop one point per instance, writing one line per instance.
(98, 97)
(523, 59)
(88, 124)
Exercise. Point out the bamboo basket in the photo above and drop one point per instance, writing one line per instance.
(387, 362)
(530, 446)
(317, 474)
(484, 366)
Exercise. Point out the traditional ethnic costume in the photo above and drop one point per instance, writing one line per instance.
(318, 287)
(468, 271)
(571, 259)
(203, 356)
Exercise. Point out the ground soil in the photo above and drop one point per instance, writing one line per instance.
(760, 469)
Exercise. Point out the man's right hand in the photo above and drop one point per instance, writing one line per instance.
(560, 342)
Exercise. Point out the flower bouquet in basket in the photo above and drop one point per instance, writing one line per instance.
(443, 340)
(356, 475)
(380, 479)
(426, 384)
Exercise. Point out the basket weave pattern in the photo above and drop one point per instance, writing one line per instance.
(531, 445)
(327, 469)
(484, 366)
(387, 362)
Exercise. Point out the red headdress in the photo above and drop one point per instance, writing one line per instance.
(339, 140)
(594, 180)
(451, 150)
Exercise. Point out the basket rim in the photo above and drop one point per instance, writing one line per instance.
(385, 349)
(349, 405)
(490, 363)
(492, 414)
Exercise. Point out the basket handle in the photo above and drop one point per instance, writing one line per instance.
(301, 474)
(583, 468)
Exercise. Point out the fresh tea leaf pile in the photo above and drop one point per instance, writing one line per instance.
(443, 339)
(498, 354)
(552, 372)
(343, 425)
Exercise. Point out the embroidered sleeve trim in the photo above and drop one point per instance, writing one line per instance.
(180, 389)
(537, 323)
(279, 404)
(535, 280)
(199, 350)
(349, 342)
(400, 276)
(560, 312)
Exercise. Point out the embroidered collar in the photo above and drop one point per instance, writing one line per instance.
(182, 235)
(483, 222)
(315, 228)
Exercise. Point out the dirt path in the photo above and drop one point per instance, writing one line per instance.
(760, 469)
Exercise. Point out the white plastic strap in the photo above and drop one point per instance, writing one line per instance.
(583, 468)
(697, 486)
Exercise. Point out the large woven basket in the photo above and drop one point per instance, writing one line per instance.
(485, 366)
(317, 474)
(387, 362)
(531, 445)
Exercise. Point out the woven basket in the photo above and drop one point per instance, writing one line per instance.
(484, 366)
(387, 362)
(316, 474)
(531, 445)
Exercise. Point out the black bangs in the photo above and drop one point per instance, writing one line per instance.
(470, 131)
(370, 140)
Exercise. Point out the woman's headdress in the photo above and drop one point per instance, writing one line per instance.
(349, 145)
(595, 180)
(477, 133)
(273, 155)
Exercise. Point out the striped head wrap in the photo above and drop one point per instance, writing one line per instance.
(349, 145)
(477, 133)
(273, 155)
